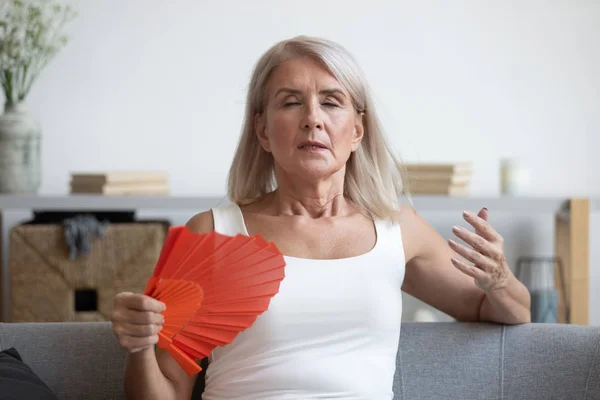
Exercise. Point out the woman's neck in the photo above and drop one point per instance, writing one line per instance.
(297, 196)
(312, 206)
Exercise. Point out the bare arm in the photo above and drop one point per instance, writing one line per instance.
(509, 305)
(430, 277)
(465, 292)
(152, 373)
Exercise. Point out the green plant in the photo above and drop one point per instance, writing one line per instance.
(31, 34)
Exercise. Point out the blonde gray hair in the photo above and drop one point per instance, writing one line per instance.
(373, 179)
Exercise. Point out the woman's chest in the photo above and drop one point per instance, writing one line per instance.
(315, 239)
(324, 301)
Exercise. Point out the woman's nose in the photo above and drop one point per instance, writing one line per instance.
(312, 118)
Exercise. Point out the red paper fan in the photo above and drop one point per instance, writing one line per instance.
(214, 286)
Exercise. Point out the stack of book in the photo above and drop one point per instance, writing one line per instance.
(120, 183)
(438, 178)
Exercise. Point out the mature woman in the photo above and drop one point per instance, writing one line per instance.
(313, 174)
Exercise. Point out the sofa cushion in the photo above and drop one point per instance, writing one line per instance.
(18, 381)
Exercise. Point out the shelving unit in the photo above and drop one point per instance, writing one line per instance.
(422, 203)
(571, 219)
(572, 245)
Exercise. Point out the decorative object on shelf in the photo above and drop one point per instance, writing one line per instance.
(114, 183)
(446, 179)
(537, 274)
(30, 37)
(514, 177)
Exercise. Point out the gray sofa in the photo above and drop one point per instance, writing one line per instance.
(441, 360)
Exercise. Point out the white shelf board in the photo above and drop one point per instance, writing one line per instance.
(536, 205)
(85, 202)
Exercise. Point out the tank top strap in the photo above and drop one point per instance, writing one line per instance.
(228, 220)
(389, 236)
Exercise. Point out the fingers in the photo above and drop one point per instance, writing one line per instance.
(136, 320)
(483, 214)
(137, 317)
(470, 270)
(483, 228)
(476, 241)
(473, 256)
(135, 337)
(136, 330)
(488, 266)
(139, 302)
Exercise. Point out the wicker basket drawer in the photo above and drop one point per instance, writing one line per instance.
(47, 286)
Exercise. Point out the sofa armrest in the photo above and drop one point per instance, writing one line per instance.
(77, 360)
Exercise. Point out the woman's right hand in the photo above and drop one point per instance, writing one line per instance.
(136, 320)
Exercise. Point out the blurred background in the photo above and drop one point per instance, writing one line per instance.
(160, 86)
(147, 84)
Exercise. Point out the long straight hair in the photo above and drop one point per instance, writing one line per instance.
(374, 176)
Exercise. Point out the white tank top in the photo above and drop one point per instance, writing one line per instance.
(331, 332)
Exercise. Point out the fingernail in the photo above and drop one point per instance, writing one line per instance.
(485, 208)
(466, 213)
(456, 228)
(452, 242)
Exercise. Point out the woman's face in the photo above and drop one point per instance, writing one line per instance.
(310, 124)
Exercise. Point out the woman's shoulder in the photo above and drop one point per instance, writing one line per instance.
(406, 213)
(399, 216)
(201, 222)
(205, 221)
(418, 236)
(225, 219)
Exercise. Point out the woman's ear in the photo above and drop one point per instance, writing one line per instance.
(261, 131)
(359, 131)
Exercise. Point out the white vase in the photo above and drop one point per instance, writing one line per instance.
(515, 178)
(20, 140)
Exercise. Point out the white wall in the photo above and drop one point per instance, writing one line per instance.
(460, 80)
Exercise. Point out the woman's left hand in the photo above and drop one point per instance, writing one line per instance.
(489, 268)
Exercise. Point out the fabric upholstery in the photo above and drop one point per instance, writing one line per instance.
(77, 360)
(437, 360)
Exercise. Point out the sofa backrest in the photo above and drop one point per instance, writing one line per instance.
(486, 361)
(436, 360)
(77, 360)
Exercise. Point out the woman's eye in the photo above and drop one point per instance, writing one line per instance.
(290, 103)
(330, 104)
